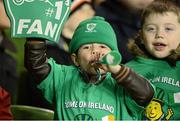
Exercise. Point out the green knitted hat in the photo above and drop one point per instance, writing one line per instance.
(94, 30)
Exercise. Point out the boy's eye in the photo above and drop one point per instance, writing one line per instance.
(86, 47)
(103, 46)
(150, 29)
(169, 29)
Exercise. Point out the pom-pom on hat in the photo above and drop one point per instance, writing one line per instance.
(94, 30)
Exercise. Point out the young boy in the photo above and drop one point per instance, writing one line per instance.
(79, 92)
(157, 51)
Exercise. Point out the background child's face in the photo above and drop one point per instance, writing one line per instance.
(161, 34)
(88, 54)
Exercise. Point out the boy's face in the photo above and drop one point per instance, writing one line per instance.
(161, 34)
(88, 55)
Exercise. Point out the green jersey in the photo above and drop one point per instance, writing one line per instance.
(77, 100)
(159, 72)
(167, 81)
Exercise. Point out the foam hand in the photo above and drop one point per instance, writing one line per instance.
(37, 18)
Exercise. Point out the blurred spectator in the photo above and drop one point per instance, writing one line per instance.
(80, 10)
(5, 103)
(59, 54)
(177, 1)
(6, 72)
(124, 16)
(8, 65)
(4, 21)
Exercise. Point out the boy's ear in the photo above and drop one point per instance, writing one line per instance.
(75, 59)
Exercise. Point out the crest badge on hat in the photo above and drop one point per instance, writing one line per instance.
(91, 27)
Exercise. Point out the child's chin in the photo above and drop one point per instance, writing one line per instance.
(161, 56)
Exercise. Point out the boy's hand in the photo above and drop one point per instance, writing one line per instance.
(110, 62)
(114, 69)
(35, 58)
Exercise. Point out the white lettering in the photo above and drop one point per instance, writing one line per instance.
(93, 105)
(177, 84)
(157, 79)
(167, 80)
(50, 29)
(81, 104)
(27, 26)
(35, 27)
(71, 104)
(59, 5)
(22, 25)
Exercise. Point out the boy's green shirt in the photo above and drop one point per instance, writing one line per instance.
(165, 78)
(75, 99)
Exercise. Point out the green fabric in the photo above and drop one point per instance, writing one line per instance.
(165, 78)
(75, 99)
(94, 30)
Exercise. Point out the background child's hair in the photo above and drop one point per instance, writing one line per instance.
(160, 7)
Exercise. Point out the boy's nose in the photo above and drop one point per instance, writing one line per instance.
(97, 53)
(159, 34)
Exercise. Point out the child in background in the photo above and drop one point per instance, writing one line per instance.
(88, 90)
(157, 50)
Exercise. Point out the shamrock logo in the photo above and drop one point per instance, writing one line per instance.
(90, 27)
